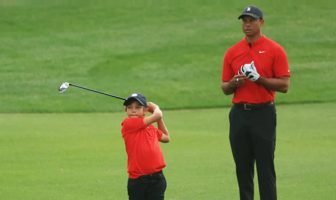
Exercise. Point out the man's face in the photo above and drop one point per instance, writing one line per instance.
(251, 26)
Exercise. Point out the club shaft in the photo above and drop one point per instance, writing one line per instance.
(96, 91)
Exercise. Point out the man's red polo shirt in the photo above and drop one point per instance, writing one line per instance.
(270, 61)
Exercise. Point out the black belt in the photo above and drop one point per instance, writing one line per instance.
(250, 106)
(156, 174)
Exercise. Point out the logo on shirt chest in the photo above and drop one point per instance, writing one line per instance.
(261, 51)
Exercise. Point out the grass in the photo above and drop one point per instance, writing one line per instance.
(82, 156)
(171, 51)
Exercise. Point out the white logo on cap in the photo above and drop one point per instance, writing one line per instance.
(134, 95)
(248, 9)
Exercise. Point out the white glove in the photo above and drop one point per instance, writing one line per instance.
(250, 71)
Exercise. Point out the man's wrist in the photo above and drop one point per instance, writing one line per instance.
(259, 80)
(234, 84)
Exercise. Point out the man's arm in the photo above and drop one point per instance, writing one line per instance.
(276, 84)
(229, 87)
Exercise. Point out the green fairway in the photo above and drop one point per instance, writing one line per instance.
(68, 146)
(82, 156)
(168, 50)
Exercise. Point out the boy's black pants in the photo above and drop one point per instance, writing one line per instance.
(252, 139)
(149, 187)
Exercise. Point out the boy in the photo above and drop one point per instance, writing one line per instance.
(145, 159)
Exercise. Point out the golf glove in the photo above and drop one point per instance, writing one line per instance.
(250, 71)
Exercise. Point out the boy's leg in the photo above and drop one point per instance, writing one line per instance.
(136, 189)
(157, 187)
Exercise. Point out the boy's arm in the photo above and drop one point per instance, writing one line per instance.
(156, 116)
(165, 136)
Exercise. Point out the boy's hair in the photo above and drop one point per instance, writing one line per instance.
(136, 97)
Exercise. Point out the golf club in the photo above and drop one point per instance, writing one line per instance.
(64, 86)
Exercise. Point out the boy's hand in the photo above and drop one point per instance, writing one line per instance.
(156, 113)
(151, 107)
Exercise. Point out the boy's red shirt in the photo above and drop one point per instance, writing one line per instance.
(142, 147)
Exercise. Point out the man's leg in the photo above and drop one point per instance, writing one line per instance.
(242, 151)
(264, 137)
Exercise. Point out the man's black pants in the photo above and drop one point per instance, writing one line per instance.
(252, 139)
(149, 187)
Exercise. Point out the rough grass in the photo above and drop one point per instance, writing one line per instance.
(171, 51)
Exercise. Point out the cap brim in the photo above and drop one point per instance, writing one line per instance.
(130, 99)
(248, 14)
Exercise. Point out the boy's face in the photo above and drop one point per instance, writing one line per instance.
(135, 109)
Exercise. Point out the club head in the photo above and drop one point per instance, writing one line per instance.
(64, 86)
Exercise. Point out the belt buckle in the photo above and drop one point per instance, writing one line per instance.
(246, 107)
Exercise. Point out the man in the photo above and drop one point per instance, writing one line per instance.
(254, 69)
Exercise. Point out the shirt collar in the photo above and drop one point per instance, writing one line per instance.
(257, 42)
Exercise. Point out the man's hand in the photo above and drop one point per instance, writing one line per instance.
(249, 71)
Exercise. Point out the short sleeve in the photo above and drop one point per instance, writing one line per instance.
(227, 72)
(281, 67)
(132, 125)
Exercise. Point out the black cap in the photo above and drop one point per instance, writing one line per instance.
(252, 11)
(138, 97)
